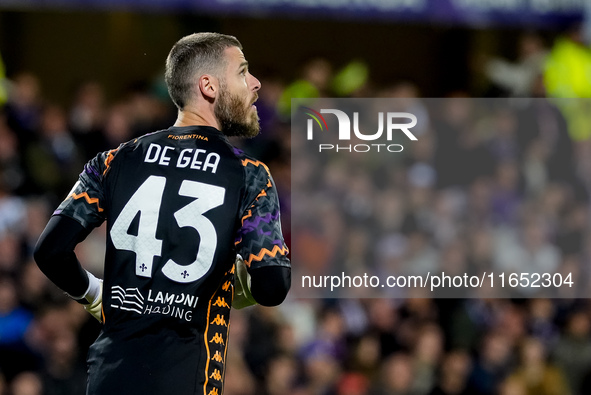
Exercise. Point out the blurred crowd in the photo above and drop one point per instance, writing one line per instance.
(468, 195)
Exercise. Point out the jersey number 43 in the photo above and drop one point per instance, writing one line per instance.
(147, 201)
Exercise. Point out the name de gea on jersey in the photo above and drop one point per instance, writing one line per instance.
(193, 158)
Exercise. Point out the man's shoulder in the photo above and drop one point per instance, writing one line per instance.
(252, 165)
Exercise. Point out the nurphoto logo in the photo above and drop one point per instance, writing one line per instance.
(395, 122)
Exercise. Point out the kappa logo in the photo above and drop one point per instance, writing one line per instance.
(217, 339)
(217, 357)
(214, 391)
(219, 320)
(216, 375)
(391, 119)
(226, 285)
(221, 302)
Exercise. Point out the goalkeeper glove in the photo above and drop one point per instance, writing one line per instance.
(242, 296)
(92, 300)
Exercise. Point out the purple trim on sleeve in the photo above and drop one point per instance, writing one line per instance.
(252, 224)
(91, 170)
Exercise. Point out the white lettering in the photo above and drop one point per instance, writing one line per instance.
(365, 147)
(374, 136)
(401, 126)
(171, 302)
(169, 298)
(344, 123)
(310, 128)
(178, 313)
(183, 160)
(212, 161)
(152, 147)
(395, 145)
(165, 160)
(195, 164)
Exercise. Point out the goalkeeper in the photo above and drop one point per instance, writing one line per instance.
(193, 228)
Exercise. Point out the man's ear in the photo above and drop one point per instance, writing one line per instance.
(208, 85)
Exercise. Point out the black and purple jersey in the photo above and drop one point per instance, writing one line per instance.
(180, 204)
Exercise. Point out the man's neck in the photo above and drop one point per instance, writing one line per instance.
(190, 118)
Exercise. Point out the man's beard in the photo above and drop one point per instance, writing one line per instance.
(234, 117)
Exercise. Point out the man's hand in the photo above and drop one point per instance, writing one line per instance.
(242, 296)
(95, 306)
(92, 300)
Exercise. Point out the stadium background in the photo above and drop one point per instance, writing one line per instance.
(77, 81)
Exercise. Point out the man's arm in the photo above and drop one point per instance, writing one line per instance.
(76, 216)
(270, 284)
(54, 254)
(260, 241)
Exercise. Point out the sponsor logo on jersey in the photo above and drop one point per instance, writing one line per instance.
(157, 302)
(170, 298)
(129, 299)
(187, 136)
